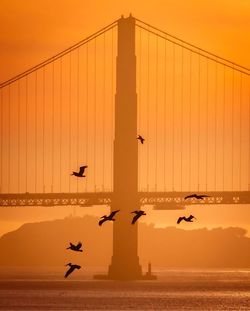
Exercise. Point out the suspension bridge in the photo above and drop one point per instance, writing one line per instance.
(86, 106)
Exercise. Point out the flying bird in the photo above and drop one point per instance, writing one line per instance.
(196, 196)
(71, 269)
(140, 138)
(188, 219)
(109, 217)
(81, 171)
(138, 214)
(76, 248)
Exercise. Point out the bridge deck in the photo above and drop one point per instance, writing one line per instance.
(160, 200)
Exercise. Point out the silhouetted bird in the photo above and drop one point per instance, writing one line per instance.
(141, 139)
(196, 196)
(71, 269)
(80, 173)
(106, 218)
(138, 214)
(75, 247)
(188, 219)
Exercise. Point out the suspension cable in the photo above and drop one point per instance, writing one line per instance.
(189, 44)
(61, 54)
(182, 77)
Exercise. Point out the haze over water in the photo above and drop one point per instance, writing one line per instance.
(174, 290)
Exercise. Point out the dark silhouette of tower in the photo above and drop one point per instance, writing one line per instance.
(125, 260)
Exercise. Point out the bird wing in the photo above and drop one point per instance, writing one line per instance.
(79, 245)
(135, 218)
(113, 214)
(180, 219)
(190, 217)
(71, 269)
(190, 196)
(82, 169)
(102, 221)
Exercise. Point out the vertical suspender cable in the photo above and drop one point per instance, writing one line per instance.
(198, 134)
(69, 154)
(94, 168)
(240, 151)
(1, 143)
(112, 106)
(165, 103)
(182, 77)
(206, 149)
(139, 110)
(215, 127)
(156, 114)
(148, 89)
(60, 128)
(249, 133)
(232, 169)
(87, 108)
(35, 131)
(77, 111)
(26, 136)
(173, 120)
(53, 127)
(43, 129)
(104, 113)
(189, 132)
(18, 137)
(223, 128)
(9, 138)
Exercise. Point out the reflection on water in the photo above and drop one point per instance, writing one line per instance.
(174, 290)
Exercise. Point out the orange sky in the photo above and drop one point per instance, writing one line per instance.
(32, 31)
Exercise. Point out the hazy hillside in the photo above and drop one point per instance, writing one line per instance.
(45, 243)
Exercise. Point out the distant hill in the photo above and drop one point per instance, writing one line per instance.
(44, 244)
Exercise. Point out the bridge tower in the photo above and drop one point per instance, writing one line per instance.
(125, 260)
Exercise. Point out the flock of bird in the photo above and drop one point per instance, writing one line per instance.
(110, 217)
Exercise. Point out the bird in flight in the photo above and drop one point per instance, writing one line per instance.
(81, 171)
(76, 248)
(140, 138)
(71, 269)
(188, 219)
(109, 217)
(138, 214)
(196, 196)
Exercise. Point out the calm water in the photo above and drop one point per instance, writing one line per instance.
(174, 290)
